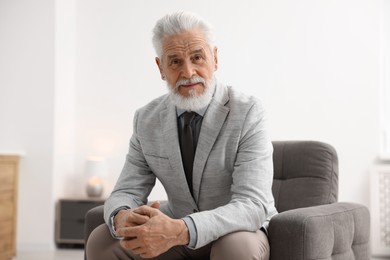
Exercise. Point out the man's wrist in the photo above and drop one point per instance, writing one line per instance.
(114, 221)
(184, 236)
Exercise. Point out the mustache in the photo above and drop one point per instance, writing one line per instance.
(193, 80)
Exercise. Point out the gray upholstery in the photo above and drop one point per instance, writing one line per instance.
(334, 231)
(93, 218)
(311, 224)
(305, 174)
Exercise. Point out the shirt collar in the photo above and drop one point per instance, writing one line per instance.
(200, 112)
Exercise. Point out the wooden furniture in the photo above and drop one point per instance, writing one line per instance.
(70, 218)
(8, 205)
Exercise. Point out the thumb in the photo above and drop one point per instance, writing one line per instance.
(155, 204)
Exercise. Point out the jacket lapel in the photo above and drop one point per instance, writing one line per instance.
(211, 126)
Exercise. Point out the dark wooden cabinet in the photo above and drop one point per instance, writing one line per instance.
(70, 218)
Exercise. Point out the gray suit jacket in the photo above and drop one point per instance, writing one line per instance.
(232, 173)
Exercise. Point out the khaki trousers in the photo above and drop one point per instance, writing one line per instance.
(235, 246)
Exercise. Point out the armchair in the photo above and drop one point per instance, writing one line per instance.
(311, 224)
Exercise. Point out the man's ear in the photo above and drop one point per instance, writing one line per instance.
(158, 62)
(215, 52)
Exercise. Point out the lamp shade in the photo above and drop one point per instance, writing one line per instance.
(96, 167)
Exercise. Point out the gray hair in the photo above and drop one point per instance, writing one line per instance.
(175, 23)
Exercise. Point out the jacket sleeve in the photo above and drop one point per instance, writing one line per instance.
(135, 174)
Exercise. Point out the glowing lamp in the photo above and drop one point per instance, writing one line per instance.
(95, 170)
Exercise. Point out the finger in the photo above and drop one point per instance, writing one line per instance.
(155, 204)
(146, 210)
(143, 210)
(129, 232)
(136, 219)
(140, 251)
(131, 244)
(149, 254)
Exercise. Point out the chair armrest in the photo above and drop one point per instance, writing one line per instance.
(93, 218)
(341, 230)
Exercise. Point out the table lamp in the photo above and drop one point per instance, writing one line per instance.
(95, 170)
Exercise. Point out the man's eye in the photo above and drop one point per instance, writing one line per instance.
(197, 57)
(175, 62)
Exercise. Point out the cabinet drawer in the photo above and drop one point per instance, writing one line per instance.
(72, 230)
(70, 220)
(7, 176)
(6, 229)
(7, 209)
(7, 246)
(76, 210)
(8, 195)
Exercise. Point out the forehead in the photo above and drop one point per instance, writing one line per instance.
(184, 42)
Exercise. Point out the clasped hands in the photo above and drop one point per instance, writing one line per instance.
(148, 232)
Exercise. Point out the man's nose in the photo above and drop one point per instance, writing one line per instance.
(188, 70)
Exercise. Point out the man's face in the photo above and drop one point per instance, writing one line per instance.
(185, 56)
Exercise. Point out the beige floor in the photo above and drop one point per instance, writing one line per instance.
(59, 254)
(70, 254)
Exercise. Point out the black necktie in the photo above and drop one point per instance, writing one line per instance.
(187, 147)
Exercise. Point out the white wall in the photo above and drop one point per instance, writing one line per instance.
(26, 111)
(315, 64)
(64, 99)
(385, 151)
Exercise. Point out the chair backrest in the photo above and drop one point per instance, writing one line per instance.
(305, 174)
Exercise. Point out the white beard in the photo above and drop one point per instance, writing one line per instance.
(193, 102)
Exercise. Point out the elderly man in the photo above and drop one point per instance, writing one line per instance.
(208, 145)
